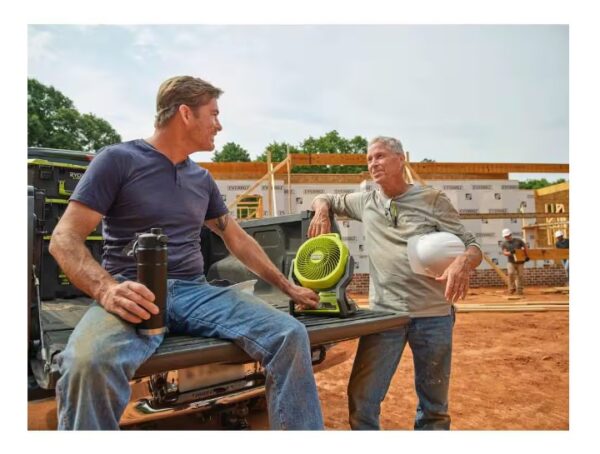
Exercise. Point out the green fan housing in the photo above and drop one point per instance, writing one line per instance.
(320, 262)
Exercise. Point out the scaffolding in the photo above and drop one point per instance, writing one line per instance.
(250, 207)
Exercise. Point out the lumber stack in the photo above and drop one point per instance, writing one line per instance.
(512, 303)
(520, 306)
(542, 254)
(562, 290)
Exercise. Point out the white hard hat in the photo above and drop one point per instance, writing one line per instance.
(431, 254)
(558, 233)
(506, 232)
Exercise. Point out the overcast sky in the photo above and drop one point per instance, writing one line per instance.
(489, 93)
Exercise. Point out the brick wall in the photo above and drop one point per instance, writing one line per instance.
(550, 275)
(359, 284)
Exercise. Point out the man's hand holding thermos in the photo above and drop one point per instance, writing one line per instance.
(130, 300)
(144, 302)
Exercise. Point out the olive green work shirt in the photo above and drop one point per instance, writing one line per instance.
(420, 210)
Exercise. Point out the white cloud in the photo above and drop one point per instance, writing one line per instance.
(40, 46)
(449, 93)
(145, 43)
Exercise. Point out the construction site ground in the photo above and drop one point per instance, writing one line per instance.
(510, 371)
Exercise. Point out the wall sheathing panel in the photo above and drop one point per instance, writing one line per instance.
(475, 196)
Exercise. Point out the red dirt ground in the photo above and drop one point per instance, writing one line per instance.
(510, 370)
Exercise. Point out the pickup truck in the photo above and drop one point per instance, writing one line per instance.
(186, 374)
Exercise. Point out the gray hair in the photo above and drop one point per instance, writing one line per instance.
(191, 91)
(389, 143)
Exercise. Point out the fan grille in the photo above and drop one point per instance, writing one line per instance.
(318, 258)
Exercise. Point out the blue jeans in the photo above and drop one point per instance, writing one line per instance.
(377, 358)
(104, 352)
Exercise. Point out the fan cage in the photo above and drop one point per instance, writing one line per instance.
(319, 260)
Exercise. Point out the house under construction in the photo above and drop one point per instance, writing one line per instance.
(487, 200)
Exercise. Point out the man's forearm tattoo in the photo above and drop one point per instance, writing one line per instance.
(222, 222)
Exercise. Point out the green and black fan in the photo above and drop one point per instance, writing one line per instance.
(324, 264)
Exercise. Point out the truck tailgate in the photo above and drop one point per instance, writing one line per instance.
(59, 317)
(185, 351)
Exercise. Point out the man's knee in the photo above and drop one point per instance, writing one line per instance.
(291, 336)
(76, 364)
(295, 331)
(85, 357)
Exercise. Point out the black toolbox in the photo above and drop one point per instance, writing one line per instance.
(53, 211)
(57, 179)
(53, 282)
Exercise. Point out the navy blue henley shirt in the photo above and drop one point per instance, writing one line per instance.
(135, 188)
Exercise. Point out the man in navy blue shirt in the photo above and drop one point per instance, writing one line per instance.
(137, 185)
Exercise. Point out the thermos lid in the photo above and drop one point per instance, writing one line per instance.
(153, 240)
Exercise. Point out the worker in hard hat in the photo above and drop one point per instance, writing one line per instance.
(515, 266)
(562, 243)
(422, 287)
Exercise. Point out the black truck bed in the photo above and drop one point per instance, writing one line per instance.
(59, 317)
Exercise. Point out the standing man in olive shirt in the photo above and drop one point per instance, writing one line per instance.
(391, 215)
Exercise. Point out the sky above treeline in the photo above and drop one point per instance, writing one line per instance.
(452, 93)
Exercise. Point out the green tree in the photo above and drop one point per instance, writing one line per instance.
(538, 184)
(358, 145)
(332, 142)
(231, 152)
(278, 151)
(427, 160)
(54, 122)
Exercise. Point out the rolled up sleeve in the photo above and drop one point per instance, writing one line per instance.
(349, 205)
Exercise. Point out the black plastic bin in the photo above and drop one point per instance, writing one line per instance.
(57, 179)
(53, 211)
(53, 282)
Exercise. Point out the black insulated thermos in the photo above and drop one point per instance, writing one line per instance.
(150, 251)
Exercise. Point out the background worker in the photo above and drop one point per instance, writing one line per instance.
(515, 267)
(392, 215)
(562, 243)
(144, 183)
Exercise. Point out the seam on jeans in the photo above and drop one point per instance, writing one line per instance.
(280, 400)
(64, 418)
